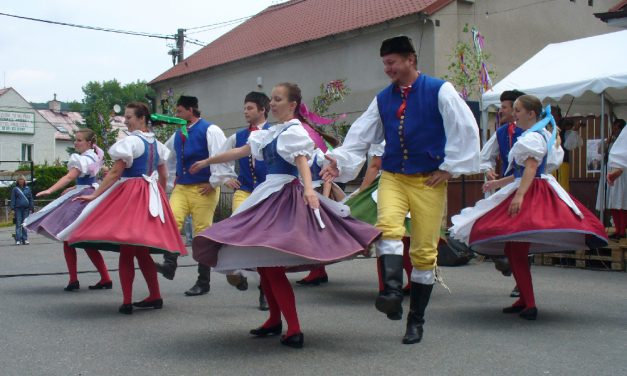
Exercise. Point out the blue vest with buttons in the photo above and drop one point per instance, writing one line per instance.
(415, 143)
(194, 149)
(502, 137)
(86, 179)
(518, 169)
(275, 164)
(146, 163)
(250, 175)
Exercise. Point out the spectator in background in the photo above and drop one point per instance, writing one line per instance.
(616, 191)
(569, 133)
(22, 205)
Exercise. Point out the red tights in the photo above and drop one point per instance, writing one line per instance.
(406, 265)
(94, 256)
(127, 271)
(280, 297)
(620, 220)
(518, 255)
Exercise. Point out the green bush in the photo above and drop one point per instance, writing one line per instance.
(46, 176)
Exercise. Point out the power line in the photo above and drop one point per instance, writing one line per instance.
(218, 24)
(109, 30)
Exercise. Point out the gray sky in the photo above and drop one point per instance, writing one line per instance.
(39, 59)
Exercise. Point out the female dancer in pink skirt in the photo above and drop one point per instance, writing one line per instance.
(129, 212)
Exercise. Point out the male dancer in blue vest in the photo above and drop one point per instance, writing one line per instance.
(499, 146)
(251, 172)
(431, 136)
(194, 194)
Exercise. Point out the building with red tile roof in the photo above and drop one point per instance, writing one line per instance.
(311, 42)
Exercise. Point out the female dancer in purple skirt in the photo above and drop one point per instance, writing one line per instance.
(306, 229)
(83, 167)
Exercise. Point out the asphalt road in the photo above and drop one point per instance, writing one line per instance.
(581, 327)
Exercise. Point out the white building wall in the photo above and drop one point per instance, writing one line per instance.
(44, 149)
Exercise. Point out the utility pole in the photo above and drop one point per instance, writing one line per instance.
(177, 52)
(180, 42)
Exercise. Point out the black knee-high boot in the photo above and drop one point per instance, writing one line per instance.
(168, 268)
(419, 298)
(390, 299)
(201, 286)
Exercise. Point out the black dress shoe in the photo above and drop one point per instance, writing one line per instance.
(296, 341)
(264, 332)
(197, 290)
(529, 313)
(126, 309)
(156, 304)
(72, 286)
(395, 316)
(238, 281)
(313, 281)
(101, 286)
(616, 237)
(514, 309)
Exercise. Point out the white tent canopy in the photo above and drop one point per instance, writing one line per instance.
(581, 68)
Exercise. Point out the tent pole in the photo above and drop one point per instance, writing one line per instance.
(484, 122)
(602, 180)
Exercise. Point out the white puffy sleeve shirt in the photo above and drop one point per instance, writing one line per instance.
(461, 151)
(223, 175)
(86, 163)
(130, 148)
(291, 143)
(488, 154)
(215, 141)
(534, 145)
(618, 153)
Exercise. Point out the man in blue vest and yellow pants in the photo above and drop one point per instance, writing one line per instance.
(430, 136)
(194, 194)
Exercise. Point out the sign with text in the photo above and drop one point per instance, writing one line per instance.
(17, 122)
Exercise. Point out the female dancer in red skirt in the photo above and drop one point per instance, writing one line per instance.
(531, 213)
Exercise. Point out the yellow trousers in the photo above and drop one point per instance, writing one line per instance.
(186, 200)
(238, 197)
(399, 194)
(562, 174)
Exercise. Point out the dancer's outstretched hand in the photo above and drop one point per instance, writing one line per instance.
(86, 198)
(43, 193)
(197, 166)
(330, 171)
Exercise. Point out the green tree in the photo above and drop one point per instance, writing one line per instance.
(110, 93)
(98, 103)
